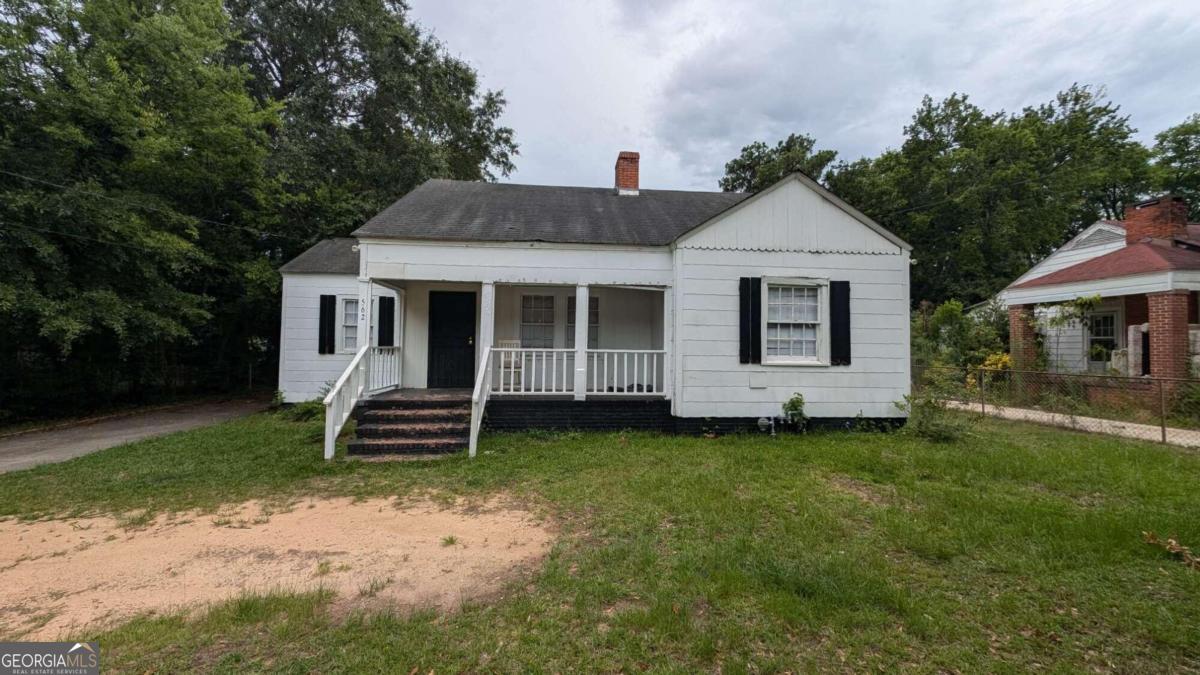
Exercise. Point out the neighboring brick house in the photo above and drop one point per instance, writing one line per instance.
(1146, 269)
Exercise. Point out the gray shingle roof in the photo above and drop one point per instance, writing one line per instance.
(473, 211)
(331, 256)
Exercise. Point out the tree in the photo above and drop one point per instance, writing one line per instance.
(132, 195)
(1177, 162)
(982, 196)
(759, 165)
(372, 107)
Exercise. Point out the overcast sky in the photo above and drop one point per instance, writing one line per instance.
(689, 82)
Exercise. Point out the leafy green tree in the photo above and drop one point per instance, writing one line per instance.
(1177, 162)
(759, 165)
(947, 335)
(132, 190)
(372, 108)
(982, 196)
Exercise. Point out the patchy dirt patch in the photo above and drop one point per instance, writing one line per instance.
(60, 576)
(872, 494)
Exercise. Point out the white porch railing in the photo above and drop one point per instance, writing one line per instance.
(627, 372)
(372, 370)
(346, 392)
(385, 366)
(479, 398)
(532, 371)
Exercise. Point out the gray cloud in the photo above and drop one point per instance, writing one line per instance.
(688, 82)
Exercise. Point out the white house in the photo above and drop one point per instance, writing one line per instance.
(596, 308)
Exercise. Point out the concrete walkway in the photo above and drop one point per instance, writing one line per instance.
(1188, 438)
(26, 450)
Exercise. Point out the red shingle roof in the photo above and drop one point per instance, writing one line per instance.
(1139, 258)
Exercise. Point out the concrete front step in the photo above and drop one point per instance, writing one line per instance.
(409, 429)
(402, 446)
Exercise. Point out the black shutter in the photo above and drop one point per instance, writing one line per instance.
(755, 320)
(839, 323)
(750, 320)
(326, 333)
(387, 322)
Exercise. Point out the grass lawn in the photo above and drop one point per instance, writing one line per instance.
(1017, 548)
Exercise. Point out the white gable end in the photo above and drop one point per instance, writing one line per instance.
(791, 216)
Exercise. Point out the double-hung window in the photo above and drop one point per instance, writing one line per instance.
(593, 322)
(537, 321)
(1101, 340)
(795, 321)
(349, 324)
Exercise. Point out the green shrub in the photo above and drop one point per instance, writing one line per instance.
(302, 412)
(793, 410)
(929, 413)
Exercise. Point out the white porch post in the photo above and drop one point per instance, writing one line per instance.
(581, 341)
(365, 288)
(668, 338)
(487, 320)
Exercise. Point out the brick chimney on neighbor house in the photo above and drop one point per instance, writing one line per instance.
(627, 173)
(1163, 217)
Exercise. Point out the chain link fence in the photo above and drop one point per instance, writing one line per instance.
(1147, 408)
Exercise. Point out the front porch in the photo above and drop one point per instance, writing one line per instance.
(557, 342)
(1133, 334)
(530, 340)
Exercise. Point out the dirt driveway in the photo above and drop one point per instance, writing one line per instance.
(26, 450)
(65, 578)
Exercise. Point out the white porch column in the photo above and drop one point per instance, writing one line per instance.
(668, 338)
(365, 289)
(487, 321)
(581, 341)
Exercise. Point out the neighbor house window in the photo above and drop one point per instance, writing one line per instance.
(795, 319)
(593, 322)
(350, 324)
(1101, 340)
(537, 321)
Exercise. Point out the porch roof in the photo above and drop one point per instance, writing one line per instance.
(1135, 259)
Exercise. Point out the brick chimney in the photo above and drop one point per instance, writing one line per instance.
(627, 173)
(1163, 217)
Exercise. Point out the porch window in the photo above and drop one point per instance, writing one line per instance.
(537, 321)
(350, 324)
(795, 321)
(593, 322)
(1101, 340)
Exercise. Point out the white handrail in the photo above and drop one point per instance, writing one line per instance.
(533, 371)
(386, 364)
(626, 372)
(345, 394)
(479, 398)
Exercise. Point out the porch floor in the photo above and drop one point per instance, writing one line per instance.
(448, 395)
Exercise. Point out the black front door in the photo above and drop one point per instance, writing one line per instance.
(451, 339)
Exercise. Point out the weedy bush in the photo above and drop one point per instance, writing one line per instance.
(793, 411)
(929, 413)
(302, 412)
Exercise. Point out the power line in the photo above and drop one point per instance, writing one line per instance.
(78, 236)
(148, 207)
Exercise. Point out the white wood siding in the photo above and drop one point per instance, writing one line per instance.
(790, 217)
(1066, 346)
(303, 373)
(791, 233)
(527, 263)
